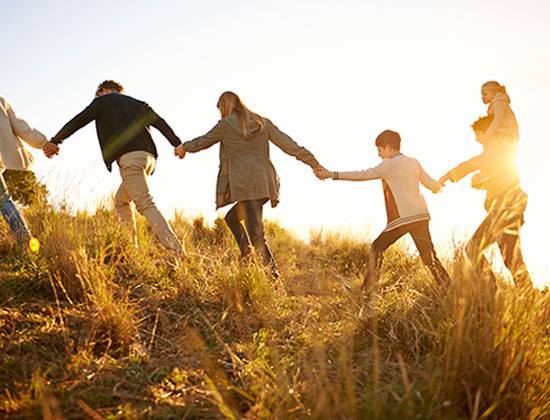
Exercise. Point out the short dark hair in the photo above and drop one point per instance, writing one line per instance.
(482, 123)
(109, 85)
(389, 138)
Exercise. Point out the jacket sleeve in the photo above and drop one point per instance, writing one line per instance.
(24, 131)
(209, 139)
(498, 110)
(89, 114)
(289, 146)
(161, 125)
(376, 172)
(427, 180)
(467, 167)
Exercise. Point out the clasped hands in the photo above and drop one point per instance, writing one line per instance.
(51, 149)
(322, 173)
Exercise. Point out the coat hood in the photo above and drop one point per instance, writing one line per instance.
(233, 121)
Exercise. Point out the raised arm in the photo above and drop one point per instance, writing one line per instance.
(289, 146)
(85, 117)
(209, 139)
(23, 130)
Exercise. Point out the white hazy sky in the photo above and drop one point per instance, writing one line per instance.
(332, 74)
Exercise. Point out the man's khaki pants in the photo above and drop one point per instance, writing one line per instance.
(135, 167)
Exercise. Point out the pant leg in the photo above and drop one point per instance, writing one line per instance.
(255, 229)
(510, 249)
(125, 212)
(12, 215)
(135, 167)
(375, 255)
(420, 233)
(491, 230)
(233, 218)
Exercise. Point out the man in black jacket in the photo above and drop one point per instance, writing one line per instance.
(122, 124)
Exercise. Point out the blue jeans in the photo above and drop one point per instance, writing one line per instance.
(13, 217)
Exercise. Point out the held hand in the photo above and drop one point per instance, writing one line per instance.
(179, 151)
(50, 149)
(322, 173)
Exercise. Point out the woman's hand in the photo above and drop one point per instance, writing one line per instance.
(179, 151)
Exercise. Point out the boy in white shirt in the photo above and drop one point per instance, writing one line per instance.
(405, 207)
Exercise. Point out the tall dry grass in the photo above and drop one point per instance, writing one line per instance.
(94, 328)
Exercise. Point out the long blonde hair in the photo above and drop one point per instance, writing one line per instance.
(244, 115)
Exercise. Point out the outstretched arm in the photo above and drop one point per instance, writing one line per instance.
(376, 172)
(85, 117)
(209, 139)
(464, 169)
(23, 130)
(289, 146)
(426, 180)
(161, 125)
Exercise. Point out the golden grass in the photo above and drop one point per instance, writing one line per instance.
(91, 328)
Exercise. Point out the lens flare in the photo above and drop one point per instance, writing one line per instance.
(34, 245)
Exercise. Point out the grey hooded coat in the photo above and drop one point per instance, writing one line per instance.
(246, 171)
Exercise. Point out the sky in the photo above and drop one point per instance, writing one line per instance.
(331, 74)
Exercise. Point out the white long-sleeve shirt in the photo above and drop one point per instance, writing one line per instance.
(400, 177)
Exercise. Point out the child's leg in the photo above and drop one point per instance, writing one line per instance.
(420, 233)
(375, 254)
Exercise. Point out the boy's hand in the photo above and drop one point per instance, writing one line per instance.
(322, 173)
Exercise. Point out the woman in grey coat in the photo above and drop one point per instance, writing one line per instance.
(247, 176)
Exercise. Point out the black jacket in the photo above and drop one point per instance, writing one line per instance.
(122, 124)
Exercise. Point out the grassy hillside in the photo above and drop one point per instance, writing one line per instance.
(90, 328)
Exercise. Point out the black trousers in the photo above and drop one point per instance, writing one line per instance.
(245, 222)
(422, 239)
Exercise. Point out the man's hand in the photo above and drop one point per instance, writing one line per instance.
(322, 173)
(50, 149)
(444, 179)
(179, 151)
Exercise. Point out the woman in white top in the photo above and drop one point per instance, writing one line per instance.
(13, 155)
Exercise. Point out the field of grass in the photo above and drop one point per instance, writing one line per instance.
(91, 328)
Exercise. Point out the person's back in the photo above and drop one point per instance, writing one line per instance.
(405, 206)
(122, 125)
